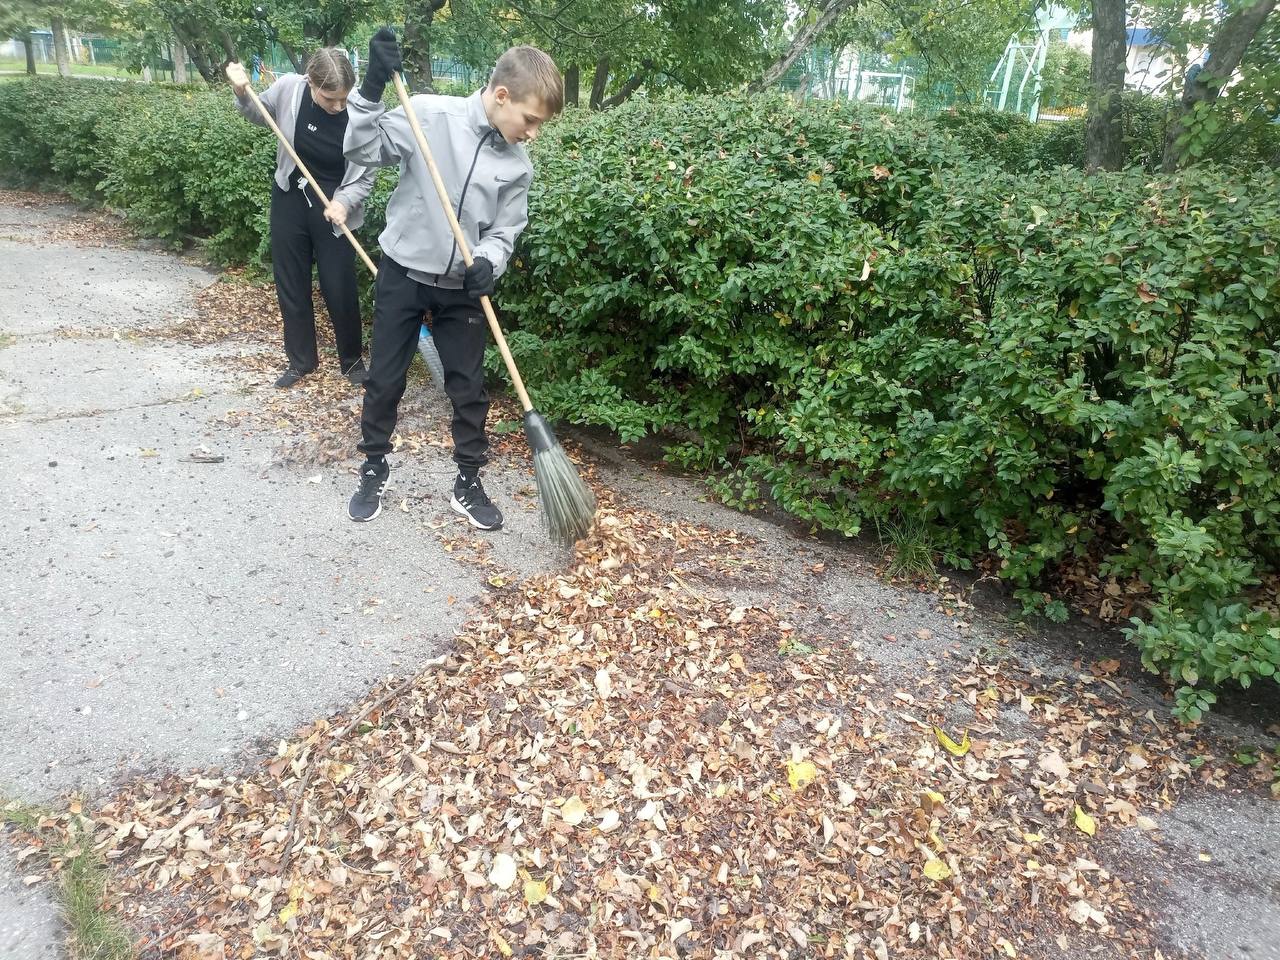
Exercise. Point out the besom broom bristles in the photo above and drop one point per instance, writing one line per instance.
(568, 505)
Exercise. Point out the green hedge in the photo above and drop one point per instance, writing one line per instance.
(1052, 368)
(847, 313)
(1017, 145)
(180, 163)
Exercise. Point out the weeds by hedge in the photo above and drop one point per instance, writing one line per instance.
(847, 313)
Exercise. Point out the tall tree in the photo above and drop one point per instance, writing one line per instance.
(1065, 80)
(17, 19)
(418, 17)
(1227, 50)
(61, 45)
(302, 26)
(203, 27)
(958, 41)
(1104, 127)
(615, 47)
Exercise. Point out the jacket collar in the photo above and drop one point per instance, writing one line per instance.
(478, 118)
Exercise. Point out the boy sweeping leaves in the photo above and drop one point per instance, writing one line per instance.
(477, 143)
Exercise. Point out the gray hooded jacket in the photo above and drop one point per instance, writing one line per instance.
(487, 180)
(282, 100)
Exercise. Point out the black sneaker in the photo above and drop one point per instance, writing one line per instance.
(366, 502)
(290, 377)
(356, 373)
(470, 500)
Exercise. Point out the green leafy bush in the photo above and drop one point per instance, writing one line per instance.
(178, 162)
(1017, 145)
(841, 310)
(860, 316)
(1009, 139)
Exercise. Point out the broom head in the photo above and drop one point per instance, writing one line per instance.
(568, 505)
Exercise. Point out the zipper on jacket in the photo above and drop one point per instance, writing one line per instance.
(465, 184)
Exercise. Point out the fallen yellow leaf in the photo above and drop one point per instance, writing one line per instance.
(801, 773)
(936, 870)
(340, 771)
(1085, 822)
(504, 948)
(957, 749)
(573, 811)
(931, 800)
(535, 892)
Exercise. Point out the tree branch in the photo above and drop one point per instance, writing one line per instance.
(1226, 50)
(630, 87)
(555, 18)
(829, 10)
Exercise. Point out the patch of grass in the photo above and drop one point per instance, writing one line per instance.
(77, 69)
(21, 815)
(911, 548)
(94, 932)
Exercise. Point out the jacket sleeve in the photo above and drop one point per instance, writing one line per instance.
(353, 194)
(249, 110)
(375, 137)
(497, 242)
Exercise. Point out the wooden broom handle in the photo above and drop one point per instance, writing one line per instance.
(443, 193)
(310, 179)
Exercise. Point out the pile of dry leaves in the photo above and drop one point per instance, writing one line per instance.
(612, 763)
(85, 228)
(616, 762)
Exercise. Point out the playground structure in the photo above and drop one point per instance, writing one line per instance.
(1014, 85)
(1023, 61)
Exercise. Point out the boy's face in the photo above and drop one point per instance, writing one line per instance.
(517, 120)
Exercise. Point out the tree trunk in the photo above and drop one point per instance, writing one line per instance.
(1104, 129)
(1226, 50)
(199, 56)
(295, 56)
(179, 60)
(31, 53)
(61, 51)
(828, 10)
(418, 15)
(630, 87)
(599, 82)
(572, 80)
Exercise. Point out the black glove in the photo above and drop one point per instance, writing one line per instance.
(384, 60)
(478, 280)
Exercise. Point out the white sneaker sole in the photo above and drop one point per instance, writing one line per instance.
(459, 509)
(373, 516)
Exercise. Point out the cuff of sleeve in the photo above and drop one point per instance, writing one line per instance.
(371, 91)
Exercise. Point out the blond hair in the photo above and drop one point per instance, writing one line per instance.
(529, 74)
(330, 70)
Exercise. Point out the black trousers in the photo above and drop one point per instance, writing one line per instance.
(300, 236)
(461, 333)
